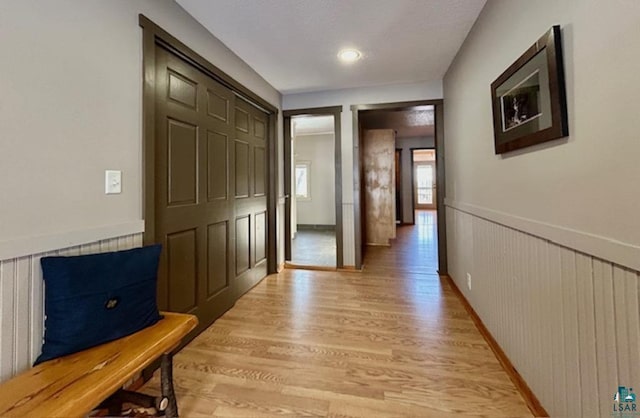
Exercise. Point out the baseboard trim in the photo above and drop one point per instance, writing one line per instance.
(292, 266)
(345, 269)
(315, 227)
(529, 397)
(349, 269)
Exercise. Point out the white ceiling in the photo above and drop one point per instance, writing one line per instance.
(293, 43)
(313, 125)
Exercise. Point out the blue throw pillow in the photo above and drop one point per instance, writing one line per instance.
(92, 299)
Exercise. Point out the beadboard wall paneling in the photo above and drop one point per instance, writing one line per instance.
(22, 302)
(348, 230)
(569, 322)
(40, 244)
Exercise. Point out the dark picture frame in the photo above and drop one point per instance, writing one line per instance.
(529, 98)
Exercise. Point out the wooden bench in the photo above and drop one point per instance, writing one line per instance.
(74, 385)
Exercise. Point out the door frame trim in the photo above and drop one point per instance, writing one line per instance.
(400, 203)
(153, 35)
(438, 105)
(336, 112)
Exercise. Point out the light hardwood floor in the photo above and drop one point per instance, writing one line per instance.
(389, 342)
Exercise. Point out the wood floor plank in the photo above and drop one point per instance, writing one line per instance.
(391, 341)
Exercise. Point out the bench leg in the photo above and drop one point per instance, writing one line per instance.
(166, 381)
(114, 407)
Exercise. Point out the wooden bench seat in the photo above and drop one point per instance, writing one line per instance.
(74, 385)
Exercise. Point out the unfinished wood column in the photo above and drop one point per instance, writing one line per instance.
(379, 184)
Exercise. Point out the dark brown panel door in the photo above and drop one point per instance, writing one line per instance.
(195, 190)
(250, 195)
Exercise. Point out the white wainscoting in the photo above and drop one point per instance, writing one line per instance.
(569, 322)
(348, 231)
(22, 302)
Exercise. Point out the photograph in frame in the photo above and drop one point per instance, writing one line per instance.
(529, 98)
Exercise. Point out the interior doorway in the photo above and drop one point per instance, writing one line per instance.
(419, 126)
(313, 216)
(424, 178)
(313, 188)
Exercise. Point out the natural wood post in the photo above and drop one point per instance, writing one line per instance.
(166, 381)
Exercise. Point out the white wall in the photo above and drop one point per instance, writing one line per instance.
(319, 151)
(405, 144)
(346, 98)
(550, 233)
(71, 107)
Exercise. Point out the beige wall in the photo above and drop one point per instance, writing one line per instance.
(71, 107)
(550, 233)
(584, 184)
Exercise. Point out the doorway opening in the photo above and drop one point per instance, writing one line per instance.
(424, 178)
(313, 217)
(398, 144)
(313, 206)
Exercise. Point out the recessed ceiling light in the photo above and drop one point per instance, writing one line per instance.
(349, 55)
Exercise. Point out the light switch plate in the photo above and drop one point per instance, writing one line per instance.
(112, 181)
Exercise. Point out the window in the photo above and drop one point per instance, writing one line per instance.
(303, 182)
(424, 179)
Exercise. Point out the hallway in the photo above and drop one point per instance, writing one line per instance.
(415, 250)
(391, 341)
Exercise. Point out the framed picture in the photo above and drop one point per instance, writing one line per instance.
(529, 98)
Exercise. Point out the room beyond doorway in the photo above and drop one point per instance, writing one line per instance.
(424, 178)
(415, 250)
(313, 199)
(313, 215)
(314, 248)
(420, 121)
